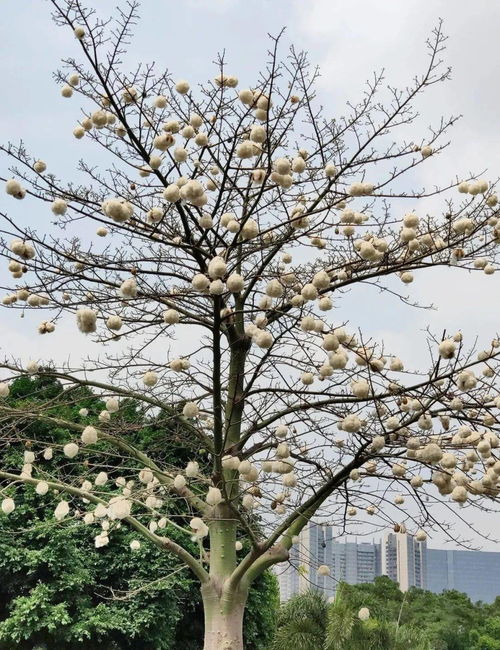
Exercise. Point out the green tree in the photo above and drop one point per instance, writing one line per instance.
(57, 589)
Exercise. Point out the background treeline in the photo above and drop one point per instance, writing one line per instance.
(415, 620)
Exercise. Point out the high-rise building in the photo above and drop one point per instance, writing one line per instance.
(476, 573)
(349, 562)
(399, 556)
(403, 559)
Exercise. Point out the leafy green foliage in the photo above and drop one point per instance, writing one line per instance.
(58, 591)
(416, 620)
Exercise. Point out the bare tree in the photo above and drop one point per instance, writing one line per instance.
(238, 219)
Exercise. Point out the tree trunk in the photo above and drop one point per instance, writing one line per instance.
(223, 619)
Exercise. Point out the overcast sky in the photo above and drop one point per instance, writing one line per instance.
(348, 39)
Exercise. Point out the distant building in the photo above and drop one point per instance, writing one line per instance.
(349, 562)
(399, 556)
(476, 573)
(404, 560)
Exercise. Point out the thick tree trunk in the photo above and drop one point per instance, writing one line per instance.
(223, 620)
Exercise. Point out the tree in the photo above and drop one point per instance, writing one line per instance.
(56, 589)
(308, 621)
(236, 219)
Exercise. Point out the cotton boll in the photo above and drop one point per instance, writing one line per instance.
(245, 150)
(61, 511)
(150, 378)
(59, 207)
(364, 614)
(351, 424)
(330, 170)
(323, 570)
(298, 165)
(66, 91)
(32, 367)
(235, 283)
(15, 189)
(199, 526)
(42, 487)
(182, 87)
(160, 101)
(79, 32)
(217, 267)
(214, 496)
(128, 288)
(190, 410)
(246, 97)
(447, 349)
(249, 230)
(164, 141)
(29, 457)
(112, 405)
(282, 166)
(4, 389)
(171, 193)
(8, 506)
(360, 388)
(171, 316)
(201, 139)
(86, 320)
(426, 151)
(179, 482)
(39, 166)
(192, 469)
(70, 450)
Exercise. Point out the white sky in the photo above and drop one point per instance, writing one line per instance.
(348, 39)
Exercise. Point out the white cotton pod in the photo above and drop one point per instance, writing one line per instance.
(182, 87)
(62, 510)
(179, 482)
(71, 450)
(235, 283)
(40, 166)
(199, 526)
(171, 317)
(48, 453)
(8, 505)
(86, 320)
(135, 545)
(114, 323)
(89, 435)
(32, 367)
(447, 349)
(214, 496)
(112, 404)
(230, 462)
(59, 207)
(119, 508)
(192, 469)
(150, 378)
(421, 535)
(217, 268)
(29, 457)
(42, 487)
(190, 410)
(14, 188)
(4, 389)
(128, 288)
(323, 570)
(101, 479)
(171, 193)
(364, 614)
(200, 283)
(101, 540)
